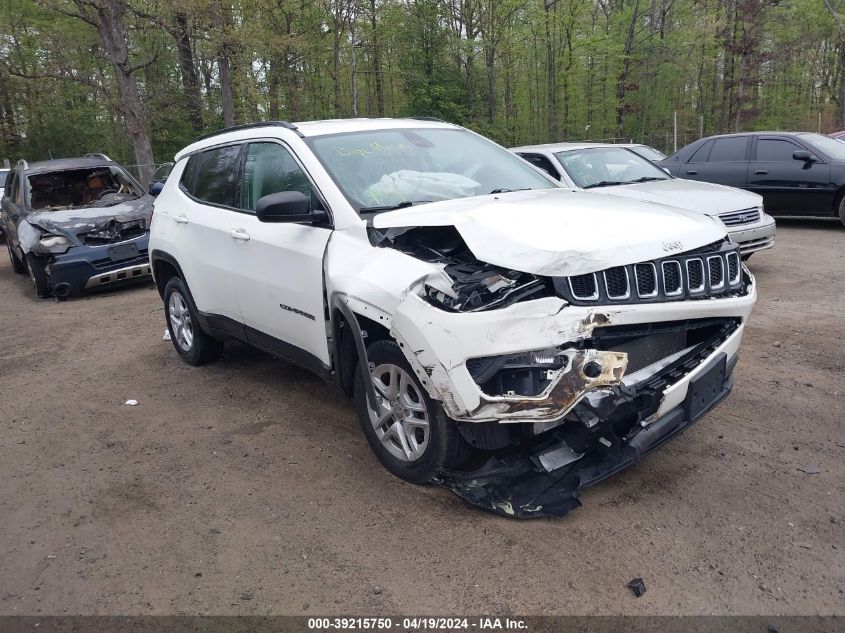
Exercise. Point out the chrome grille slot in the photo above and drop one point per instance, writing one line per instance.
(616, 283)
(712, 271)
(584, 287)
(695, 275)
(672, 278)
(716, 272)
(733, 269)
(737, 218)
(646, 278)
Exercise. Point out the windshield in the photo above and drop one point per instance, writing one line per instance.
(607, 166)
(89, 187)
(833, 149)
(386, 169)
(649, 153)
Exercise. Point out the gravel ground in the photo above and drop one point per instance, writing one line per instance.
(245, 487)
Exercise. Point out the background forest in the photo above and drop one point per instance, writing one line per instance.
(139, 79)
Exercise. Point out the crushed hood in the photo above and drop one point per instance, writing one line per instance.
(702, 197)
(561, 232)
(73, 222)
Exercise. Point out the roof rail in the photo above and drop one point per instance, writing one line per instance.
(247, 126)
(21, 162)
(427, 118)
(99, 155)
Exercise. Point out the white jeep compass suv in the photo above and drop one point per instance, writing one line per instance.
(510, 339)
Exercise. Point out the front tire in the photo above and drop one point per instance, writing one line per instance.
(191, 343)
(410, 433)
(38, 276)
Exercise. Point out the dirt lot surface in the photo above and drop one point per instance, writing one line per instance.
(246, 487)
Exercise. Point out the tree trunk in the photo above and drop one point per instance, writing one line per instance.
(551, 75)
(377, 62)
(226, 92)
(224, 63)
(188, 70)
(622, 81)
(112, 31)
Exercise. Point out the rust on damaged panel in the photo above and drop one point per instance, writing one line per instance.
(587, 370)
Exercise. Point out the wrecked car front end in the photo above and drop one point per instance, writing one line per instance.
(571, 369)
(90, 248)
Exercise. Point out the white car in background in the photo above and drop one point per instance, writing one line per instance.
(620, 171)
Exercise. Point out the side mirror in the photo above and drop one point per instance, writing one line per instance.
(287, 206)
(802, 154)
(156, 187)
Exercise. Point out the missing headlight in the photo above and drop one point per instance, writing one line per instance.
(525, 374)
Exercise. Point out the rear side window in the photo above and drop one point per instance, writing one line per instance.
(729, 150)
(774, 150)
(270, 168)
(212, 176)
(701, 153)
(538, 160)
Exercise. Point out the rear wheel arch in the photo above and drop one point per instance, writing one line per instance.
(165, 267)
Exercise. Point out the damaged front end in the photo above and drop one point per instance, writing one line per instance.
(90, 248)
(562, 380)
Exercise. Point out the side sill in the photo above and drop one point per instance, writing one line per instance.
(224, 327)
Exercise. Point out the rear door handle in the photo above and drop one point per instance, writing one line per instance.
(180, 219)
(761, 172)
(239, 234)
(692, 172)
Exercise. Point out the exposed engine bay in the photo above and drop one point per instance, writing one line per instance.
(476, 285)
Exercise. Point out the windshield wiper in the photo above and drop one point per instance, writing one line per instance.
(647, 179)
(603, 183)
(505, 190)
(402, 205)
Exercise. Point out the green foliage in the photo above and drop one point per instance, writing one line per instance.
(518, 70)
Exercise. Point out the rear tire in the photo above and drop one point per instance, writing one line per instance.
(190, 342)
(842, 209)
(410, 434)
(17, 265)
(38, 276)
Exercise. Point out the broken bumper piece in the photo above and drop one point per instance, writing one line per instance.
(544, 476)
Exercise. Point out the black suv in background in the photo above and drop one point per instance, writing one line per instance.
(76, 224)
(797, 173)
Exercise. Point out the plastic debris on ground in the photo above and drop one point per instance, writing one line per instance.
(637, 586)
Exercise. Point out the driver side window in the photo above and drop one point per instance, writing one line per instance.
(270, 168)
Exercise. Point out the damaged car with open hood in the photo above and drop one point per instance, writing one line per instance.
(509, 339)
(76, 224)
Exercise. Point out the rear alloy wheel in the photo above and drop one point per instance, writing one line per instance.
(409, 432)
(191, 343)
(17, 265)
(38, 276)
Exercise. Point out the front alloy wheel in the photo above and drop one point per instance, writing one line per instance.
(408, 431)
(401, 422)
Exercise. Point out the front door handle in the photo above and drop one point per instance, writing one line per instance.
(239, 234)
(180, 219)
(692, 172)
(761, 172)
